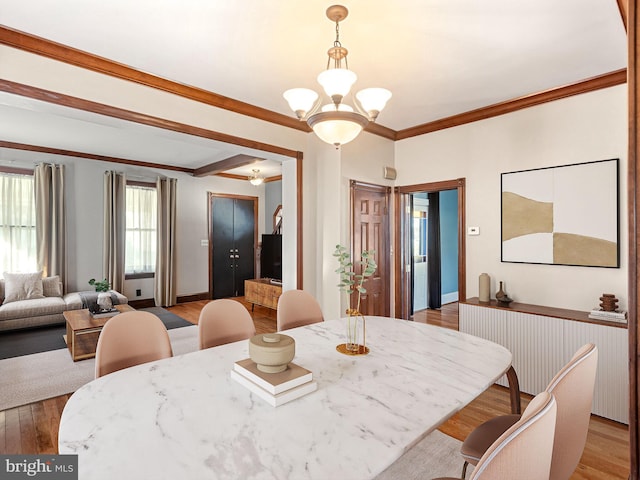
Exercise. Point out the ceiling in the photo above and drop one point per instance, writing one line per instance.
(438, 57)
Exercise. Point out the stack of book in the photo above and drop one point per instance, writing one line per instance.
(615, 316)
(275, 388)
(104, 313)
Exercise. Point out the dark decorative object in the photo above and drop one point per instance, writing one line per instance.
(271, 256)
(608, 302)
(502, 298)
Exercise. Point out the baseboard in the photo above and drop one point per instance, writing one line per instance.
(193, 298)
(449, 298)
(143, 303)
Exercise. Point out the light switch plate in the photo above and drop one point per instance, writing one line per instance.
(204, 243)
(473, 231)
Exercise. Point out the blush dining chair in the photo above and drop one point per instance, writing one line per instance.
(224, 321)
(524, 450)
(131, 338)
(573, 388)
(297, 308)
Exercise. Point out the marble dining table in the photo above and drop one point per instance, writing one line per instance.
(184, 417)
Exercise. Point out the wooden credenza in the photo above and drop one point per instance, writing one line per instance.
(543, 339)
(260, 291)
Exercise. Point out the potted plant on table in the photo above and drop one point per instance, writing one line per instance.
(351, 282)
(100, 286)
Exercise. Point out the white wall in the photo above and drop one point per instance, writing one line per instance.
(582, 128)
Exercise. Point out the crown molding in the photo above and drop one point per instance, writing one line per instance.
(79, 58)
(612, 79)
(57, 51)
(115, 112)
(91, 156)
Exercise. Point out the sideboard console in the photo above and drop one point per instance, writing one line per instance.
(543, 339)
(262, 291)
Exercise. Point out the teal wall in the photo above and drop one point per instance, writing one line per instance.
(449, 240)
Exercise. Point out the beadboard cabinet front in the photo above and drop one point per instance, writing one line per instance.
(541, 344)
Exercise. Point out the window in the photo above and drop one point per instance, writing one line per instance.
(141, 220)
(17, 223)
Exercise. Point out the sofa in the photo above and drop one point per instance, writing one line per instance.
(36, 304)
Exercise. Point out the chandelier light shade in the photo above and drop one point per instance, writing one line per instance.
(337, 127)
(301, 100)
(337, 123)
(337, 82)
(256, 179)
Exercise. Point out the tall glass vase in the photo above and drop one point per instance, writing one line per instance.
(356, 343)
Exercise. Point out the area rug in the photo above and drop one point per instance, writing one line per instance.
(437, 455)
(44, 339)
(31, 378)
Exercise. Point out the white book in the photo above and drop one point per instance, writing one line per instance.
(594, 316)
(279, 399)
(274, 383)
(603, 313)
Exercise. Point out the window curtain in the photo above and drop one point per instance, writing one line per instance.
(165, 276)
(114, 228)
(17, 224)
(51, 222)
(433, 251)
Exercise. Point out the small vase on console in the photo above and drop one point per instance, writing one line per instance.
(502, 298)
(484, 288)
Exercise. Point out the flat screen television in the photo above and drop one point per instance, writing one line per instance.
(271, 256)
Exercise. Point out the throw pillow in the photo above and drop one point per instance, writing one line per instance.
(51, 286)
(22, 286)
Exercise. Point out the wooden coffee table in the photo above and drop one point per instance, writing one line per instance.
(83, 331)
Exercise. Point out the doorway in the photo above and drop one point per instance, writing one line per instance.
(370, 231)
(434, 249)
(233, 236)
(429, 240)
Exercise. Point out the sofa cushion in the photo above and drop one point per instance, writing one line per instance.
(52, 286)
(22, 286)
(32, 308)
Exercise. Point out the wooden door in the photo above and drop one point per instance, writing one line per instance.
(232, 241)
(370, 231)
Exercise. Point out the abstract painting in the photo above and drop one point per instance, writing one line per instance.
(566, 215)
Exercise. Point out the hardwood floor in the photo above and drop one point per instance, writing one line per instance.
(33, 428)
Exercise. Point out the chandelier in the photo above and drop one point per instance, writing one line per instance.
(336, 122)
(256, 179)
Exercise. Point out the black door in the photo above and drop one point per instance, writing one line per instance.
(232, 244)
